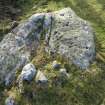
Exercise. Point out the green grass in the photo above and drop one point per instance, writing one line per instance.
(83, 87)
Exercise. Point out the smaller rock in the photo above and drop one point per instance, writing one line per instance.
(41, 78)
(28, 72)
(64, 73)
(55, 65)
(9, 101)
(61, 79)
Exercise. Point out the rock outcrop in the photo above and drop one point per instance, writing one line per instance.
(18, 46)
(64, 32)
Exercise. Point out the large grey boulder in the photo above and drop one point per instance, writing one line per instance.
(18, 46)
(71, 37)
(64, 32)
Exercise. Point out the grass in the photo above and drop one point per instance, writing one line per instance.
(83, 87)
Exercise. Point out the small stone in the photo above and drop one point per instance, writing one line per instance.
(41, 78)
(63, 72)
(55, 65)
(28, 72)
(9, 101)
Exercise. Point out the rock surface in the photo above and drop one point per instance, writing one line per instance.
(9, 79)
(64, 32)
